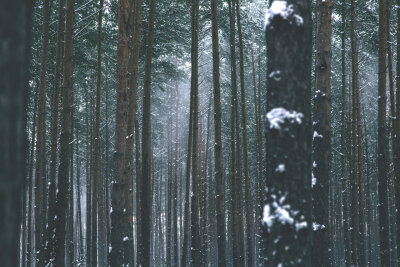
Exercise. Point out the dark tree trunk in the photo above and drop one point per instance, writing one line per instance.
(96, 159)
(220, 209)
(65, 139)
(119, 217)
(322, 132)
(396, 158)
(49, 254)
(40, 175)
(288, 133)
(382, 159)
(14, 65)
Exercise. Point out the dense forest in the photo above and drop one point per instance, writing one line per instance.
(200, 133)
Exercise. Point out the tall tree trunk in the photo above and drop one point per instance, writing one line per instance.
(238, 259)
(175, 189)
(49, 254)
(146, 184)
(343, 149)
(29, 248)
(194, 90)
(40, 175)
(135, 29)
(249, 215)
(14, 66)
(119, 217)
(88, 181)
(96, 159)
(220, 209)
(289, 136)
(71, 213)
(382, 159)
(322, 132)
(65, 138)
(396, 159)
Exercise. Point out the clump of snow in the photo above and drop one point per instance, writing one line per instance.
(279, 212)
(276, 75)
(317, 135)
(277, 116)
(280, 168)
(317, 226)
(313, 180)
(282, 9)
(125, 238)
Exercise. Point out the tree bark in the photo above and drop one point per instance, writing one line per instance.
(119, 216)
(65, 139)
(289, 138)
(322, 132)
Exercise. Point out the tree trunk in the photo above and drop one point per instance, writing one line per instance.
(288, 133)
(119, 217)
(14, 65)
(65, 138)
(146, 184)
(396, 159)
(220, 209)
(49, 254)
(40, 175)
(322, 132)
(96, 159)
(249, 215)
(382, 159)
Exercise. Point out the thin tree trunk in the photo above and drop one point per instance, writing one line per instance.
(146, 184)
(96, 159)
(382, 152)
(249, 235)
(289, 137)
(65, 138)
(396, 159)
(29, 244)
(322, 132)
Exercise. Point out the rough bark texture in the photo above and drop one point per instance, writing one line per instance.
(65, 139)
(322, 132)
(15, 19)
(288, 133)
(40, 170)
(382, 159)
(146, 184)
(220, 209)
(119, 217)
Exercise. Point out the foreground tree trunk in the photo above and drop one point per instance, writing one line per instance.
(396, 159)
(146, 183)
(288, 132)
(14, 65)
(382, 159)
(322, 132)
(65, 139)
(119, 199)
